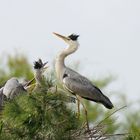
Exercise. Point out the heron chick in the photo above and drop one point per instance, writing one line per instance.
(39, 68)
(13, 88)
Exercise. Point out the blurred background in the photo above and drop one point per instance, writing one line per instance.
(109, 36)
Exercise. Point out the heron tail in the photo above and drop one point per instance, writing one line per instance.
(106, 102)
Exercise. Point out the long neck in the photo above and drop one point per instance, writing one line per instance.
(60, 60)
(38, 77)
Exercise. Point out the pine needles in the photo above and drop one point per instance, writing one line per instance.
(38, 116)
(45, 116)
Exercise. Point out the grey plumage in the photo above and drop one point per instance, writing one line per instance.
(80, 85)
(73, 81)
(13, 88)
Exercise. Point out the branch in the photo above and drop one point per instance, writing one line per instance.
(110, 115)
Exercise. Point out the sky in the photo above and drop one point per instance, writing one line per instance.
(109, 36)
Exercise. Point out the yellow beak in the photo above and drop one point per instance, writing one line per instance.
(62, 37)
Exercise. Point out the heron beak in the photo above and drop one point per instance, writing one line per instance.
(45, 64)
(66, 39)
(28, 83)
(45, 67)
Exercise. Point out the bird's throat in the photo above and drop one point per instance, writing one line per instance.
(60, 61)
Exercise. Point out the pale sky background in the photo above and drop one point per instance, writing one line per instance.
(109, 35)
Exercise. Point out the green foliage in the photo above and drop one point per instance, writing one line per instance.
(38, 116)
(134, 132)
(133, 125)
(19, 66)
(43, 115)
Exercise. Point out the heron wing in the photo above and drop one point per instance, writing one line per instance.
(81, 86)
(12, 88)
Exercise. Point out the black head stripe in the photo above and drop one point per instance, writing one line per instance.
(38, 64)
(73, 37)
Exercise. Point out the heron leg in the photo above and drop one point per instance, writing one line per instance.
(85, 110)
(78, 105)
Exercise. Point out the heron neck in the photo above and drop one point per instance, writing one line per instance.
(38, 77)
(63, 54)
(60, 60)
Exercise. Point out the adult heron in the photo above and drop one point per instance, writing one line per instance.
(73, 81)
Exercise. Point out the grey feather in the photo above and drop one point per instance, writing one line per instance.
(13, 88)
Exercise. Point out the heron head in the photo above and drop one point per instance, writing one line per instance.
(71, 39)
(39, 65)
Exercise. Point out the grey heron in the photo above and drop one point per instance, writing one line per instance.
(12, 88)
(73, 81)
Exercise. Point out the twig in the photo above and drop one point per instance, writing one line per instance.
(110, 115)
(115, 135)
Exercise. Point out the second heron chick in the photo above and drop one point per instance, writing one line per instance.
(39, 68)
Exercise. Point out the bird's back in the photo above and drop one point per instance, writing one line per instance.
(12, 88)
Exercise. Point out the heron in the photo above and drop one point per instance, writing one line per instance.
(39, 68)
(74, 82)
(13, 87)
